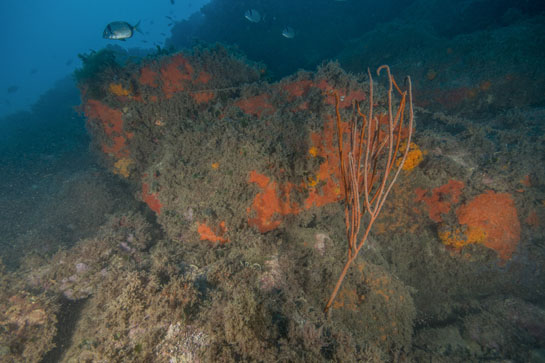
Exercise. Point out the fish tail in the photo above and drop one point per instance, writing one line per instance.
(137, 27)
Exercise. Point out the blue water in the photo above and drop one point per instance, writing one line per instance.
(42, 39)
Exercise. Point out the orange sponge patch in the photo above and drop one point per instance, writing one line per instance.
(272, 202)
(173, 77)
(441, 199)
(414, 157)
(206, 233)
(111, 121)
(496, 215)
(256, 105)
(202, 97)
(118, 90)
(151, 199)
(110, 117)
(148, 77)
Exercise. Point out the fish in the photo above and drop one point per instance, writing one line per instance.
(171, 2)
(13, 89)
(33, 71)
(120, 30)
(288, 32)
(253, 16)
(69, 62)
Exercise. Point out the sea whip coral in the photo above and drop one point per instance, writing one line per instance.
(371, 160)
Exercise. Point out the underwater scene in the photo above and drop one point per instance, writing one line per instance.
(273, 181)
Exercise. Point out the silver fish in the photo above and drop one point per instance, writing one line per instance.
(288, 32)
(253, 16)
(120, 30)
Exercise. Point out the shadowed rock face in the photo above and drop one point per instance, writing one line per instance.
(325, 28)
(321, 29)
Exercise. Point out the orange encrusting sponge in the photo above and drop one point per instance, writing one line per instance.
(270, 203)
(496, 215)
(206, 233)
(441, 200)
(151, 199)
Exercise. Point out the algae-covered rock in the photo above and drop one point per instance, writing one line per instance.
(28, 327)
